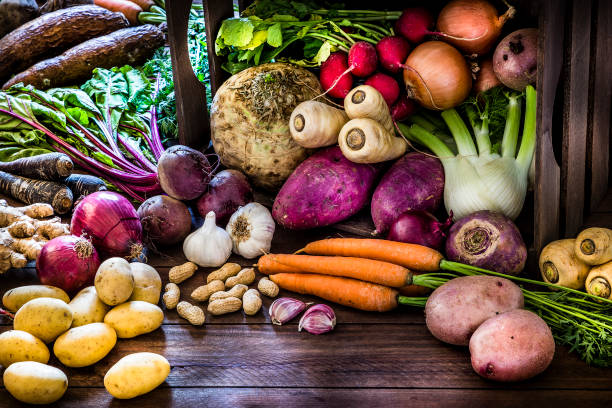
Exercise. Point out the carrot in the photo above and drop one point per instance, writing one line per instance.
(144, 4)
(415, 257)
(414, 290)
(369, 270)
(32, 191)
(348, 292)
(130, 10)
(267, 265)
(49, 166)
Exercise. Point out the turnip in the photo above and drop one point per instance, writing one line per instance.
(392, 52)
(165, 220)
(403, 108)
(386, 85)
(335, 77)
(515, 60)
(414, 182)
(227, 191)
(488, 240)
(316, 124)
(183, 172)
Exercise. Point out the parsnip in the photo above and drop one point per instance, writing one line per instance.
(365, 101)
(559, 265)
(599, 281)
(366, 141)
(315, 124)
(594, 246)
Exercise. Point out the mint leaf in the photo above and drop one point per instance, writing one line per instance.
(275, 35)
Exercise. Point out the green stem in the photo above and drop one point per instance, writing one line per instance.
(420, 135)
(412, 301)
(344, 34)
(528, 142)
(374, 27)
(481, 131)
(511, 130)
(363, 38)
(465, 144)
(332, 40)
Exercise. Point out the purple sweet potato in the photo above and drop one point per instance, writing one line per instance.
(414, 182)
(325, 189)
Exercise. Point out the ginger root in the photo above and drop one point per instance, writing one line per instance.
(23, 233)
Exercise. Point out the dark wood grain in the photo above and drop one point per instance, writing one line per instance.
(547, 180)
(191, 112)
(599, 157)
(214, 13)
(576, 118)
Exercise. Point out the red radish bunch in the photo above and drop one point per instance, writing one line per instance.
(334, 77)
(386, 85)
(392, 52)
(414, 24)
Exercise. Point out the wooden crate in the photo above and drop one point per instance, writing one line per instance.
(572, 153)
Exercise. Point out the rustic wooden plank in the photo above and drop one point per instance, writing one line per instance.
(352, 356)
(191, 112)
(214, 13)
(602, 93)
(317, 397)
(603, 220)
(576, 118)
(550, 57)
(606, 204)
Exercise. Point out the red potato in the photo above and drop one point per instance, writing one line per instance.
(513, 346)
(455, 310)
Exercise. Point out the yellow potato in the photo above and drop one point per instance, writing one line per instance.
(114, 281)
(85, 345)
(134, 318)
(35, 383)
(147, 283)
(15, 298)
(87, 307)
(17, 345)
(136, 374)
(45, 318)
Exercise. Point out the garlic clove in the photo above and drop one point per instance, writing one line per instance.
(284, 309)
(318, 319)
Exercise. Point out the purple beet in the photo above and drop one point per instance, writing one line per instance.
(420, 227)
(414, 182)
(487, 240)
(227, 191)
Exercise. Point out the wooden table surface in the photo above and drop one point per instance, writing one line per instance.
(370, 359)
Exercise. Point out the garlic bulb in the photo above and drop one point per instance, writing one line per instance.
(251, 228)
(209, 245)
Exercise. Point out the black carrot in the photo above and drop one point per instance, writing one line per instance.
(50, 166)
(32, 191)
(84, 184)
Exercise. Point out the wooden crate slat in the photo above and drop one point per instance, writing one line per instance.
(547, 190)
(191, 112)
(600, 143)
(576, 118)
(214, 14)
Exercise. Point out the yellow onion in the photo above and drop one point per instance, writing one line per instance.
(437, 75)
(485, 78)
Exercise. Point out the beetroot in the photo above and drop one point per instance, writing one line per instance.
(325, 189)
(386, 85)
(392, 52)
(515, 61)
(165, 220)
(183, 172)
(403, 108)
(362, 59)
(487, 240)
(334, 77)
(227, 191)
(414, 182)
(414, 24)
(420, 227)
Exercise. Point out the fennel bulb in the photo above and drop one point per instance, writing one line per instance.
(476, 178)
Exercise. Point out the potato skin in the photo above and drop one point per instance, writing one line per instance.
(114, 281)
(87, 307)
(136, 374)
(85, 345)
(134, 318)
(17, 345)
(35, 383)
(15, 298)
(455, 309)
(513, 346)
(147, 283)
(45, 318)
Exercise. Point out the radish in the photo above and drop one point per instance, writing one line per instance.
(362, 59)
(392, 52)
(414, 24)
(386, 85)
(402, 108)
(335, 78)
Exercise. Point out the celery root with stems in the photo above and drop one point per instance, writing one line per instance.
(478, 178)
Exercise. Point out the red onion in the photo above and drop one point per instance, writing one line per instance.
(112, 224)
(68, 262)
(420, 227)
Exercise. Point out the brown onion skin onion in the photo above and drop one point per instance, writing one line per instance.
(437, 76)
(474, 24)
(485, 77)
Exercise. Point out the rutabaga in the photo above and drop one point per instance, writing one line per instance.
(477, 178)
